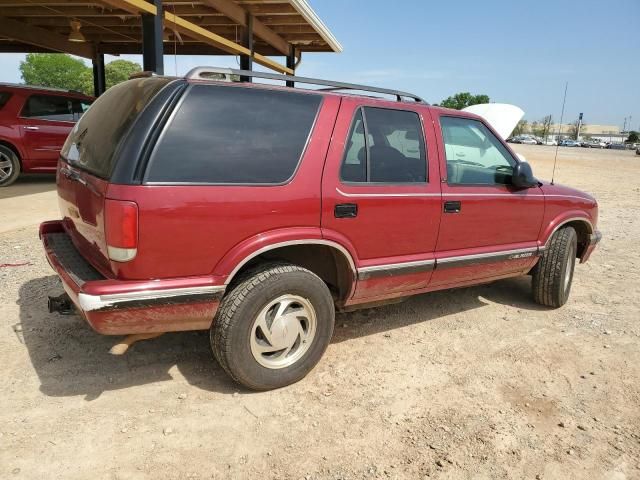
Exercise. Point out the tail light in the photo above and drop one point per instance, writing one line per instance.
(121, 229)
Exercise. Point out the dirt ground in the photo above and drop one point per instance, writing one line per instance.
(473, 383)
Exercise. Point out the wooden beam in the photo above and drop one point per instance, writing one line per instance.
(194, 31)
(42, 38)
(239, 15)
(132, 6)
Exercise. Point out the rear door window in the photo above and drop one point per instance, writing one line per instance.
(385, 146)
(234, 135)
(49, 107)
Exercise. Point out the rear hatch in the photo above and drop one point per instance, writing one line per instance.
(88, 159)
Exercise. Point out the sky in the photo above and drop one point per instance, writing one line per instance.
(514, 52)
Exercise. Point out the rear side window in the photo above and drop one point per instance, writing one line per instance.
(385, 146)
(54, 107)
(92, 143)
(234, 135)
(4, 98)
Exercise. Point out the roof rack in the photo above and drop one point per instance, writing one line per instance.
(233, 75)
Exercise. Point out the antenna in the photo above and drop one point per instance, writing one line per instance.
(555, 160)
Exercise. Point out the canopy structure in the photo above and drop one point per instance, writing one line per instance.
(255, 30)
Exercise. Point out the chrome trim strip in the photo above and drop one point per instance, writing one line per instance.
(90, 303)
(447, 194)
(446, 262)
(481, 256)
(373, 195)
(273, 246)
(403, 268)
(395, 266)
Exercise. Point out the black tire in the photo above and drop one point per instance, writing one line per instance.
(553, 275)
(233, 326)
(9, 166)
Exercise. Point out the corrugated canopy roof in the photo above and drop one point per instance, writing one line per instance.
(205, 27)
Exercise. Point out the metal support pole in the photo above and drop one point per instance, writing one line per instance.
(246, 61)
(152, 49)
(291, 63)
(99, 82)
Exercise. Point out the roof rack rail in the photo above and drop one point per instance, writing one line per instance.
(228, 74)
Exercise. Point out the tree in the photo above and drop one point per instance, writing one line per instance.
(536, 128)
(634, 137)
(120, 70)
(64, 71)
(573, 129)
(462, 100)
(55, 70)
(541, 128)
(546, 125)
(521, 127)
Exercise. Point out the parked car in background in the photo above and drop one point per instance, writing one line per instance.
(569, 143)
(525, 139)
(638, 151)
(616, 146)
(34, 123)
(255, 211)
(593, 144)
(550, 142)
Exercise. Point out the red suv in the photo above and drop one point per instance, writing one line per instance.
(34, 123)
(254, 211)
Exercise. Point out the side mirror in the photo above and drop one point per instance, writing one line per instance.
(523, 176)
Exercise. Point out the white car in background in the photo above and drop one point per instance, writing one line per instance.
(594, 144)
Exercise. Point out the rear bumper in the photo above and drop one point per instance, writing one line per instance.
(594, 239)
(119, 307)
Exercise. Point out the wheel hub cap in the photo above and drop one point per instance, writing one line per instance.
(6, 167)
(283, 331)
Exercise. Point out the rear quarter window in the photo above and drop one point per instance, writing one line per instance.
(234, 135)
(93, 142)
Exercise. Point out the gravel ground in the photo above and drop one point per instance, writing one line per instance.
(473, 383)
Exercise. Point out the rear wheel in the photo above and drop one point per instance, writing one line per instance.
(9, 166)
(553, 275)
(273, 327)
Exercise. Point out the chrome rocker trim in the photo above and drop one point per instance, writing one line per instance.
(147, 298)
(404, 268)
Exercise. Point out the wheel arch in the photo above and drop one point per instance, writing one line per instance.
(331, 261)
(582, 225)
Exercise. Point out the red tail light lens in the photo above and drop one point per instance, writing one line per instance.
(121, 229)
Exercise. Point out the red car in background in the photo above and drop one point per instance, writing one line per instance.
(34, 123)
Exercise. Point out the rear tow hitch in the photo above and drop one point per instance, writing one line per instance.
(61, 304)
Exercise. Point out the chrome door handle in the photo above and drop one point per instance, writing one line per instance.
(29, 127)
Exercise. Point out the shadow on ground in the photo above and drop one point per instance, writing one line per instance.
(29, 184)
(70, 359)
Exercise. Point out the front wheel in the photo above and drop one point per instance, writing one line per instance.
(553, 275)
(273, 327)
